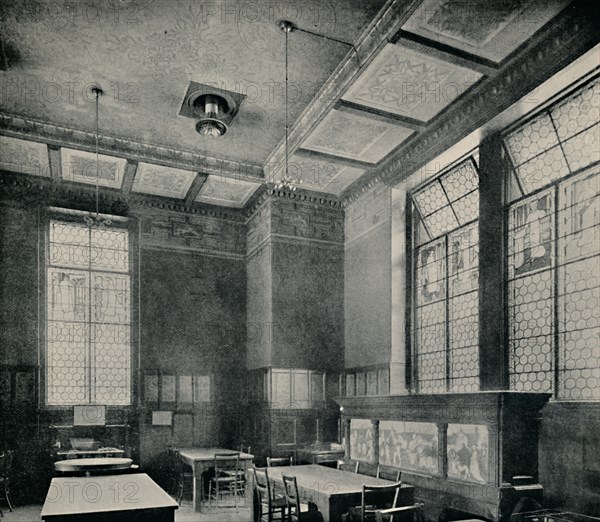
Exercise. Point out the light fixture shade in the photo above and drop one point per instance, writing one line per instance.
(211, 127)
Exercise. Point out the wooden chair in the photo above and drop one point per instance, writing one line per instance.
(5, 474)
(388, 473)
(393, 514)
(374, 498)
(297, 511)
(287, 449)
(277, 461)
(180, 474)
(348, 466)
(265, 502)
(245, 449)
(225, 479)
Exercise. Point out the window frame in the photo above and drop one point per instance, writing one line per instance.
(76, 216)
(412, 215)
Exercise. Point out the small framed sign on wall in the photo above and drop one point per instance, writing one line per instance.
(162, 418)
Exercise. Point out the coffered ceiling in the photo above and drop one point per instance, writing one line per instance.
(352, 105)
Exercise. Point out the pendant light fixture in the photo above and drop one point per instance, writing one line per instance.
(286, 181)
(95, 219)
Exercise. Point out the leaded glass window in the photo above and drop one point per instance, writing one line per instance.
(553, 249)
(446, 261)
(88, 280)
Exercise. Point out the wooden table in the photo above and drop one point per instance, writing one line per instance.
(332, 490)
(201, 459)
(118, 498)
(89, 466)
(101, 452)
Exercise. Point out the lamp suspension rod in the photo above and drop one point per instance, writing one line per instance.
(98, 92)
(286, 105)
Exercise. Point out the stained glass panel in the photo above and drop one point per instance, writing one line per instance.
(559, 141)
(88, 316)
(430, 199)
(446, 286)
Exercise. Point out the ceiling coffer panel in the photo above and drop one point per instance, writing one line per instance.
(81, 167)
(227, 192)
(355, 137)
(490, 30)
(162, 181)
(321, 175)
(24, 157)
(409, 83)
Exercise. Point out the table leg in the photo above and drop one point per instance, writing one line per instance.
(198, 494)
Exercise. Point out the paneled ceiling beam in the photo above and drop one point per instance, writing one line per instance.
(445, 52)
(20, 127)
(347, 162)
(377, 114)
(55, 162)
(129, 176)
(385, 25)
(195, 188)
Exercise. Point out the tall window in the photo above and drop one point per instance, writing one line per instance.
(88, 280)
(446, 261)
(554, 247)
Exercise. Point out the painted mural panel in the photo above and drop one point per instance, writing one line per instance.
(468, 452)
(361, 440)
(409, 445)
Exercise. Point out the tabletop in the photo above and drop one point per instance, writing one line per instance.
(208, 454)
(328, 481)
(108, 493)
(105, 464)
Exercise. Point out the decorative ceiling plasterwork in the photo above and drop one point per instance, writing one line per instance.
(24, 157)
(25, 128)
(408, 83)
(46, 193)
(144, 54)
(383, 27)
(162, 181)
(355, 137)
(225, 191)
(322, 176)
(81, 167)
(557, 45)
(491, 30)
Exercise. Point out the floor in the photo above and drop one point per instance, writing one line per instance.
(185, 513)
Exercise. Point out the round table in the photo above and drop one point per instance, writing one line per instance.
(94, 465)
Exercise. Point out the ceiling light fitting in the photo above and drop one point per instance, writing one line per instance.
(286, 181)
(213, 110)
(95, 219)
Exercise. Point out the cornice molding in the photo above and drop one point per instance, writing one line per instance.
(298, 196)
(25, 128)
(24, 187)
(551, 49)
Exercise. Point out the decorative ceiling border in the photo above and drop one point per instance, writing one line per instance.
(20, 127)
(385, 25)
(299, 196)
(563, 40)
(43, 189)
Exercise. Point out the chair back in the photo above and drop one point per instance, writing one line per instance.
(245, 449)
(292, 497)
(389, 473)
(226, 462)
(262, 486)
(387, 515)
(349, 466)
(377, 497)
(277, 461)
